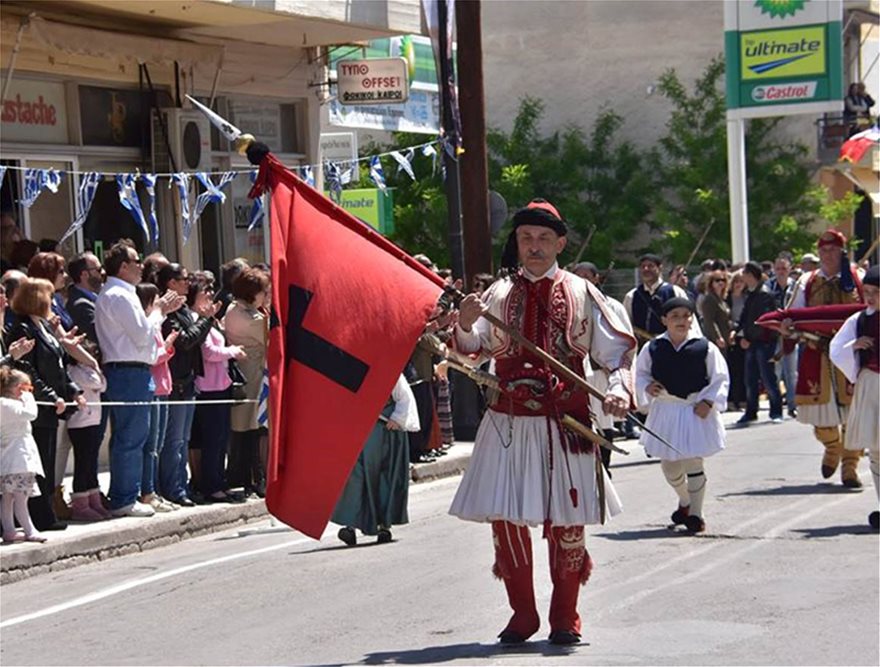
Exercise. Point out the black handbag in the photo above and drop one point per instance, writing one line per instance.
(239, 381)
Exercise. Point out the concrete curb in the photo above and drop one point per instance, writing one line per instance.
(88, 543)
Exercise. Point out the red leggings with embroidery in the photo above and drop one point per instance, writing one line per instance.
(570, 566)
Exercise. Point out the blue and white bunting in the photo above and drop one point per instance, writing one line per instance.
(88, 187)
(333, 182)
(37, 180)
(129, 199)
(150, 185)
(405, 162)
(181, 180)
(376, 173)
(308, 175)
(346, 173)
(263, 401)
(2, 173)
(428, 150)
(213, 193)
(257, 210)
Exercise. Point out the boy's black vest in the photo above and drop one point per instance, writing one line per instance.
(869, 325)
(646, 307)
(683, 372)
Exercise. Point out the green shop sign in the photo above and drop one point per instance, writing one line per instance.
(783, 57)
(373, 206)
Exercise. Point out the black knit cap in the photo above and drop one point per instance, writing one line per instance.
(677, 302)
(872, 276)
(538, 212)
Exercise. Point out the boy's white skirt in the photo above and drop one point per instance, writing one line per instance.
(862, 428)
(674, 419)
(507, 478)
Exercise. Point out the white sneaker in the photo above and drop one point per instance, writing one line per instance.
(135, 509)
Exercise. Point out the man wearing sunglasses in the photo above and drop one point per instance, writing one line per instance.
(127, 338)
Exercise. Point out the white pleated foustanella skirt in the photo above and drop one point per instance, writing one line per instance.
(863, 422)
(673, 418)
(510, 478)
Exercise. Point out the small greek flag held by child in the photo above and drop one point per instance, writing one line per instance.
(263, 401)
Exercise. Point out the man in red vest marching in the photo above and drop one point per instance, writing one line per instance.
(823, 392)
(526, 470)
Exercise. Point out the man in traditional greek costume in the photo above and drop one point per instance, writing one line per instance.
(823, 392)
(526, 470)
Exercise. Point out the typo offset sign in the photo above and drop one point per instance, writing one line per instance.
(374, 81)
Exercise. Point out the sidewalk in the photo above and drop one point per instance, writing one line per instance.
(89, 542)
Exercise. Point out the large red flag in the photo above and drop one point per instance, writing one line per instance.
(348, 307)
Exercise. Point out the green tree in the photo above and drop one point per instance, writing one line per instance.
(598, 182)
(691, 168)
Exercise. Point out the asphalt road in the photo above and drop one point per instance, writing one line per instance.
(786, 574)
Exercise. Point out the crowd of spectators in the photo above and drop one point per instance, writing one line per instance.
(145, 352)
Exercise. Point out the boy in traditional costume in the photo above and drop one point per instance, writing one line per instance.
(855, 350)
(681, 380)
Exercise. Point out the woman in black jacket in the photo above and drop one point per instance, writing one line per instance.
(48, 362)
(184, 365)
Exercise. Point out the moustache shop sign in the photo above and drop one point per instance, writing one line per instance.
(372, 81)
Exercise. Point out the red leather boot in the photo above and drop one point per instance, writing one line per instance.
(570, 567)
(513, 564)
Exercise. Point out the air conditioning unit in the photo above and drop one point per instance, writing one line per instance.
(188, 138)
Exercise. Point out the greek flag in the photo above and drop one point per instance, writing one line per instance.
(213, 193)
(257, 210)
(2, 173)
(334, 182)
(376, 173)
(263, 402)
(430, 151)
(150, 184)
(37, 180)
(405, 162)
(88, 186)
(181, 180)
(308, 175)
(129, 199)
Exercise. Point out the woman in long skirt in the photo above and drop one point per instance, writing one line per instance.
(376, 494)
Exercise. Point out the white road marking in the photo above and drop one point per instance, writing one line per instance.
(415, 490)
(144, 581)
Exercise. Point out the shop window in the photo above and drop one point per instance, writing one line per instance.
(50, 215)
(117, 117)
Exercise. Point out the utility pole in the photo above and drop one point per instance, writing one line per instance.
(474, 166)
(450, 162)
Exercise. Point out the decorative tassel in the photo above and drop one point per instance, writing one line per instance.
(573, 492)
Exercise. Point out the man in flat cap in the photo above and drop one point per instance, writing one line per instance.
(644, 305)
(823, 392)
(526, 470)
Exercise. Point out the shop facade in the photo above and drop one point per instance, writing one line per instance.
(84, 98)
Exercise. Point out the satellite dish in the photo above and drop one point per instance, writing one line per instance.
(497, 212)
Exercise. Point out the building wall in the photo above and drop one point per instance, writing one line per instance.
(581, 57)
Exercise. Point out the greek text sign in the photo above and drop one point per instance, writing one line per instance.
(375, 81)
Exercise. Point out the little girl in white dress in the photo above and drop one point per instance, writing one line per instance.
(19, 458)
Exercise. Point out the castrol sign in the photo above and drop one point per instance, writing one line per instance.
(374, 81)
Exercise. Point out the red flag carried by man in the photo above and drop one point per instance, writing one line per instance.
(348, 307)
